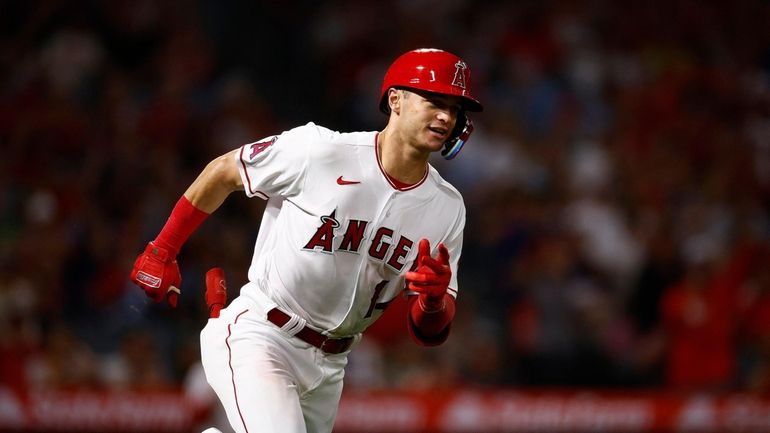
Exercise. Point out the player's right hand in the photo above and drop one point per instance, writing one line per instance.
(157, 273)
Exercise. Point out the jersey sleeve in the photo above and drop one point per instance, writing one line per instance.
(276, 165)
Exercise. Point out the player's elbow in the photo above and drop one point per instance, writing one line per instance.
(223, 170)
(218, 179)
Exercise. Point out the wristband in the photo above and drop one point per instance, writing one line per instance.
(182, 222)
(431, 305)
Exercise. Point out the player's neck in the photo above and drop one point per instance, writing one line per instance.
(399, 161)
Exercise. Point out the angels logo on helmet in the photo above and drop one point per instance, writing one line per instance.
(459, 79)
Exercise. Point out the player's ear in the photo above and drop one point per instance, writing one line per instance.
(394, 100)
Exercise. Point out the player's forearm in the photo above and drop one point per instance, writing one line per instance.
(204, 196)
(215, 183)
(430, 327)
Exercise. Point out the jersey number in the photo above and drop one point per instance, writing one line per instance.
(373, 304)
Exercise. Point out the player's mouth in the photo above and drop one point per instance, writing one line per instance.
(438, 131)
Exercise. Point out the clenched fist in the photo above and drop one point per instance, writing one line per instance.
(157, 273)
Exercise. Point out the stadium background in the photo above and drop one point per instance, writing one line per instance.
(617, 187)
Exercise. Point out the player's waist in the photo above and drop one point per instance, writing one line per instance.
(293, 324)
(304, 332)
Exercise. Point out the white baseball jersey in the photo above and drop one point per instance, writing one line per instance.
(337, 235)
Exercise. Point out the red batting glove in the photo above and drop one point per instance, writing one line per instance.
(157, 273)
(431, 279)
(216, 291)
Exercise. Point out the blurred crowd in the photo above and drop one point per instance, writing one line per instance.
(617, 185)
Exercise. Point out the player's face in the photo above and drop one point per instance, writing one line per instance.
(430, 118)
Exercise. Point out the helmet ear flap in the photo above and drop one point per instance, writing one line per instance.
(458, 138)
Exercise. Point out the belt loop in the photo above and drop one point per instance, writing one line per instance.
(294, 325)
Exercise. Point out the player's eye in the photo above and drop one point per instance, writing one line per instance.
(440, 104)
(437, 103)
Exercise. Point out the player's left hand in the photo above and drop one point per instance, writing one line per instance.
(432, 276)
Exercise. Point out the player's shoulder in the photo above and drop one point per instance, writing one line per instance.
(314, 132)
(444, 187)
(358, 138)
(324, 144)
(307, 132)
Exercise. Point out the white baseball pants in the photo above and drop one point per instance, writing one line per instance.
(266, 379)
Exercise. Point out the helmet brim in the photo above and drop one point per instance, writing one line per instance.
(468, 103)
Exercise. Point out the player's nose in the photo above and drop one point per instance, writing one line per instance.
(447, 117)
(444, 115)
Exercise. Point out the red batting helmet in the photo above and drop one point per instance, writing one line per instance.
(431, 70)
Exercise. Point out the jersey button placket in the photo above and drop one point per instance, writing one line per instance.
(389, 205)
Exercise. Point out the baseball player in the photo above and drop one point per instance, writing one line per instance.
(352, 220)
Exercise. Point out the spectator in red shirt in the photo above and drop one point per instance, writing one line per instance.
(701, 318)
(755, 332)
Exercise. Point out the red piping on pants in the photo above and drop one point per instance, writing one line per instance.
(232, 372)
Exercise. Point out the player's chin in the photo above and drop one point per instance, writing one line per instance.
(433, 147)
(434, 142)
